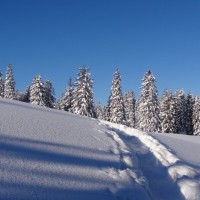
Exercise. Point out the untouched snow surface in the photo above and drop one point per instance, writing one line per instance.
(185, 147)
(49, 154)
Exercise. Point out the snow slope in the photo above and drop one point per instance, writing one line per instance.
(50, 154)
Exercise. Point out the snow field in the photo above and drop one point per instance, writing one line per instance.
(50, 154)
(183, 175)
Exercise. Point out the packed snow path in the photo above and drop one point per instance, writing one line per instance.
(169, 177)
(161, 184)
(49, 154)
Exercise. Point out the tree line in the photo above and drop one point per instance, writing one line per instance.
(171, 113)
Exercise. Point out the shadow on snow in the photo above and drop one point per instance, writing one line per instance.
(13, 148)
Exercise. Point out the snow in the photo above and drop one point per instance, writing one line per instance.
(186, 147)
(50, 154)
(187, 171)
(186, 177)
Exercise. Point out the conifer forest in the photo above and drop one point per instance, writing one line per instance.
(172, 112)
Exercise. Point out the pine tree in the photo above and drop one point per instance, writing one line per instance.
(167, 113)
(18, 96)
(180, 111)
(49, 93)
(137, 113)
(189, 113)
(99, 111)
(148, 105)
(116, 103)
(9, 90)
(1, 85)
(196, 116)
(106, 113)
(65, 103)
(83, 94)
(129, 107)
(26, 96)
(37, 92)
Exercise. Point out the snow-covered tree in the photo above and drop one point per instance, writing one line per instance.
(189, 114)
(196, 116)
(116, 103)
(37, 92)
(19, 96)
(1, 85)
(82, 103)
(106, 113)
(180, 111)
(26, 96)
(167, 113)
(136, 113)
(9, 90)
(99, 111)
(129, 107)
(49, 93)
(148, 105)
(65, 103)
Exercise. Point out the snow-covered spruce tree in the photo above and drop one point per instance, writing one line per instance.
(196, 116)
(26, 96)
(82, 102)
(129, 107)
(136, 113)
(18, 96)
(1, 85)
(167, 113)
(37, 92)
(9, 89)
(106, 113)
(49, 93)
(99, 111)
(148, 105)
(65, 103)
(189, 114)
(116, 103)
(180, 111)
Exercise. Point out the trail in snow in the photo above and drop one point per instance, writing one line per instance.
(130, 182)
(160, 184)
(184, 176)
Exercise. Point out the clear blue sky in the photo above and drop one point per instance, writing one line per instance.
(53, 38)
